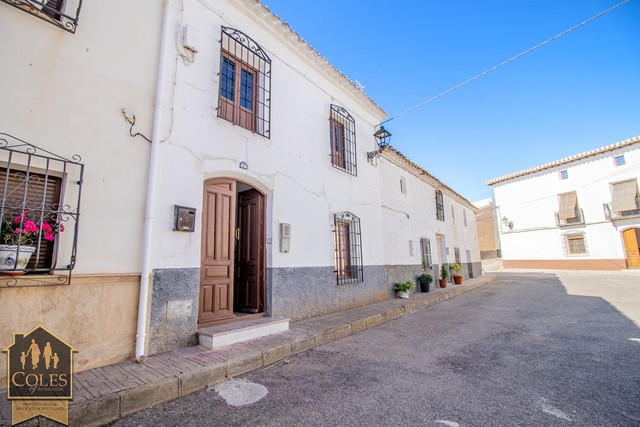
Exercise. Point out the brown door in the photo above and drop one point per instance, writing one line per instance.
(249, 262)
(216, 272)
(631, 246)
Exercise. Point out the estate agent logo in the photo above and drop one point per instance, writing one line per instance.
(39, 376)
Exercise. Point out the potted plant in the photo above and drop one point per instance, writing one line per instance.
(443, 277)
(456, 268)
(403, 288)
(425, 282)
(21, 235)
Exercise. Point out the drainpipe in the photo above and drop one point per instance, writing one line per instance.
(143, 303)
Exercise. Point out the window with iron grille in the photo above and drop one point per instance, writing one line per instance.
(425, 249)
(574, 244)
(348, 248)
(439, 206)
(39, 211)
(245, 83)
(61, 13)
(343, 140)
(456, 254)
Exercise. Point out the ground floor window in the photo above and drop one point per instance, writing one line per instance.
(425, 249)
(348, 248)
(574, 244)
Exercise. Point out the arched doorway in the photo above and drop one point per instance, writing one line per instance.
(631, 237)
(232, 269)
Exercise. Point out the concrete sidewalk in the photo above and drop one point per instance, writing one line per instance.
(106, 394)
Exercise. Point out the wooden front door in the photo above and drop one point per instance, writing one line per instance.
(631, 246)
(250, 254)
(217, 253)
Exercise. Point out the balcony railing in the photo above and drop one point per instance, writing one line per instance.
(63, 15)
(566, 222)
(612, 215)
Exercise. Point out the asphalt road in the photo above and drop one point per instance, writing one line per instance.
(520, 351)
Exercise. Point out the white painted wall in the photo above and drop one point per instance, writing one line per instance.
(530, 203)
(412, 215)
(64, 93)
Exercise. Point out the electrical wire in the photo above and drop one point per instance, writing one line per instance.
(484, 73)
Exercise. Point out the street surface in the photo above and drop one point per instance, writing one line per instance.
(525, 350)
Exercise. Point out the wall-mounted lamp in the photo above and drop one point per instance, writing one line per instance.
(383, 137)
(507, 223)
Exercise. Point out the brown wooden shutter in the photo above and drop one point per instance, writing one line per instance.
(624, 196)
(568, 203)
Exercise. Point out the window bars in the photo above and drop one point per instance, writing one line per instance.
(574, 244)
(245, 83)
(348, 249)
(60, 13)
(343, 140)
(425, 250)
(39, 212)
(439, 206)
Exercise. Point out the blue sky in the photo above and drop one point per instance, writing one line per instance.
(577, 93)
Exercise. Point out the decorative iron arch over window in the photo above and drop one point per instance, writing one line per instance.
(39, 213)
(245, 82)
(348, 248)
(439, 206)
(343, 140)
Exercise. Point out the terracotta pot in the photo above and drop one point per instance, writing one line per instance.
(443, 283)
(457, 280)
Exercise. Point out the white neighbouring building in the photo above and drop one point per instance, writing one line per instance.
(581, 212)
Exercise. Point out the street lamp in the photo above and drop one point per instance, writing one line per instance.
(382, 137)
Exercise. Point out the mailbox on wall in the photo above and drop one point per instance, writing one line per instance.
(184, 219)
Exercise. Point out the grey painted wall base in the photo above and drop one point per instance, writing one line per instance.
(174, 309)
(298, 293)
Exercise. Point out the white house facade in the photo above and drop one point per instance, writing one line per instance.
(426, 223)
(581, 212)
(206, 164)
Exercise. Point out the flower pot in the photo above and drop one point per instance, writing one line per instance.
(425, 287)
(14, 261)
(443, 283)
(457, 280)
(403, 294)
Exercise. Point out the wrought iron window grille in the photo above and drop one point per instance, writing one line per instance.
(574, 244)
(439, 206)
(245, 82)
(343, 140)
(578, 219)
(612, 215)
(39, 208)
(348, 249)
(425, 250)
(62, 14)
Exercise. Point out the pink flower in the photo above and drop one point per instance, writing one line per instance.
(61, 228)
(17, 231)
(45, 226)
(48, 236)
(30, 227)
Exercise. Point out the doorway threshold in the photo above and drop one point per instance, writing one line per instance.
(245, 328)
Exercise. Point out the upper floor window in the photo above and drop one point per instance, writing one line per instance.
(245, 83)
(348, 248)
(61, 13)
(343, 140)
(569, 212)
(464, 217)
(439, 206)
(564, 174)
(619, 160)
(624, 196)
(403, 185)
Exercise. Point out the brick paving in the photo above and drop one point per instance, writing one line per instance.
(105, 394)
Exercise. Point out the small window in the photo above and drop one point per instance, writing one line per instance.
(439, 206)
(619, 160)
(453, 213)
(575, 244)
(403, 185)
(464, 217)
(245, 83)
(348, 248)
(425, 250)
(456, 253)
(564, 174)
(412, 250)
(343, 140)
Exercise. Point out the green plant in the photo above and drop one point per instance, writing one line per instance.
(425, 279)
(404, 287)
(444, 273)
(456, 268)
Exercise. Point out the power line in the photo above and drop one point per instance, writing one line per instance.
(484, 73)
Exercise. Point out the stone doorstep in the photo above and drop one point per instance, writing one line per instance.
(232, 333)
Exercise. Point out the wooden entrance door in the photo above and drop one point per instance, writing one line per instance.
(250, 254)
(631, 246)
(217, 253)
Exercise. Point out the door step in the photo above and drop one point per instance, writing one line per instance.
(232, 333)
